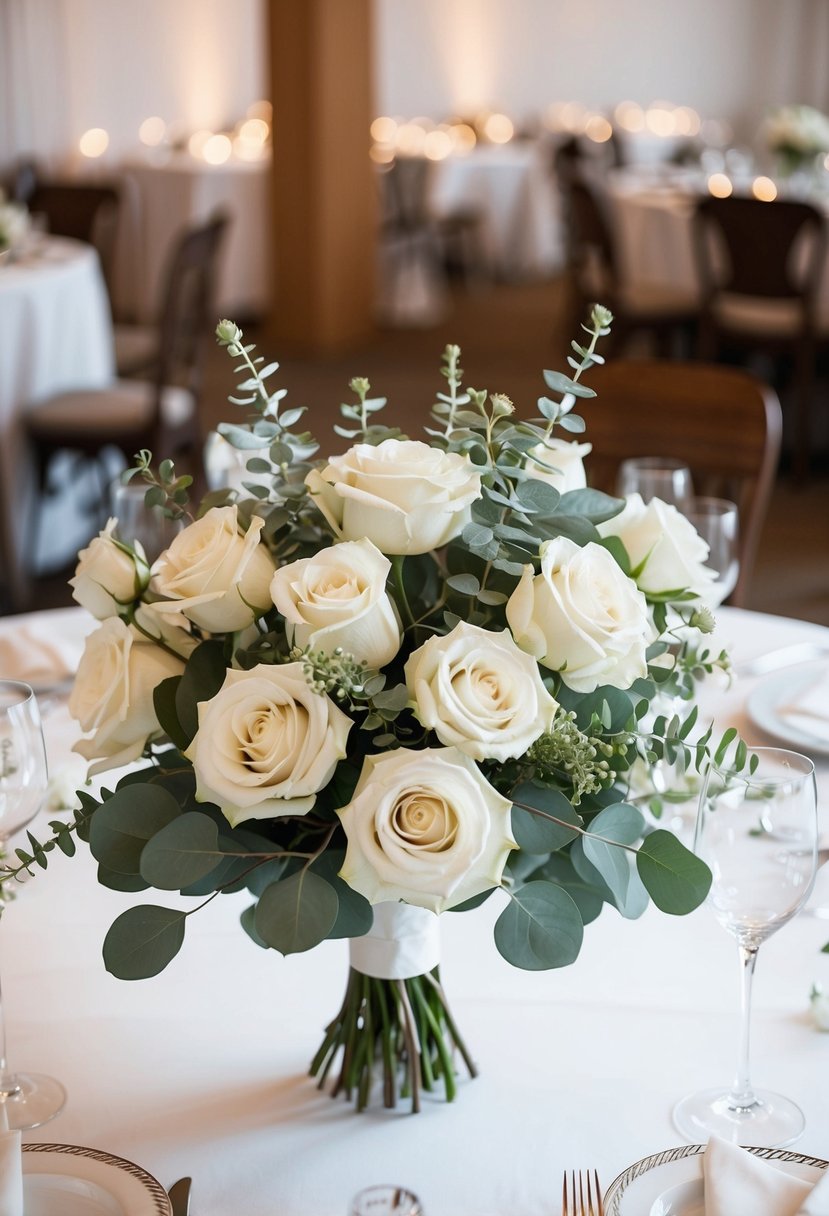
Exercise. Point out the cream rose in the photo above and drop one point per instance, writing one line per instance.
(109, 576)
(215, 574)
(338, 598)
(581, 616)
(425, 827)
(266, 744)
(478, 692)
(403, 495)
(666, 552)
(559, 463)
(112, 696)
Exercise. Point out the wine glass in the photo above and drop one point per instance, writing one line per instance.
(29, 1099)
(656, 477)
(153, 530)
(385, 1201)
(718, 523)
(757, 831)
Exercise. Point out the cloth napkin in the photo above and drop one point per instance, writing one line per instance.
(808, 707)
(37, 656)
(739, 1184)
(11, 1174)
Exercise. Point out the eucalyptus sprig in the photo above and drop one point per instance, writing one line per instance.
(558, 412)
(167, 492)
(365, 431)
(447, 405)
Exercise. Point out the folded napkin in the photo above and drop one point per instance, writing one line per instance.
(807, 709)
(37, 655)
(11, 1174)
(739, 1184)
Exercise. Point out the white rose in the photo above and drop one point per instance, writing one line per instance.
(666, 552)
(425, 827)
(109, 576)
(581, 616)
(266, 744)
(215, 574)
(338, 598)
(404, 495)
(113, 693)
(478, 692)
(559, 463)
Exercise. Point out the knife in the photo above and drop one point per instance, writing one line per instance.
(180, 1197)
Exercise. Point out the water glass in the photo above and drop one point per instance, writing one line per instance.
(656, 477)
(718, 522)
(385, 1201)
(138, 522)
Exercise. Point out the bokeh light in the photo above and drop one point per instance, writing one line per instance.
(764, 189)
(94, 142)
(719, 185)
(152, 132)
(217, 149)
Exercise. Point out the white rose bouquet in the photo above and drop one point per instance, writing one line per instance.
(797, 134)
(377, 688)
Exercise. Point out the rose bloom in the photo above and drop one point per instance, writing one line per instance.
(581, 616)
(563, 464)
(404, 495)
(664, 543)
(109, 576)
(478, 692)
(266, 744)
(338, 599)
(425, 827)
(215, 574)
(113, 693)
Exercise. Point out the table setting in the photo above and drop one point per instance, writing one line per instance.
(200, 1070)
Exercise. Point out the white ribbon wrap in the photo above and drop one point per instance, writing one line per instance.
(404, 941)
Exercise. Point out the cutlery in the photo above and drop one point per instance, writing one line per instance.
(584, 1199)
(785, 656)
(179, 1194)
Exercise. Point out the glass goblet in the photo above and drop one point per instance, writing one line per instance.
(757, 831)
(656, 477)
(385, 1201)
(28, 1099)
(718, 523)
(138, 522)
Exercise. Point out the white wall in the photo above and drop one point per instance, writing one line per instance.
(727, 58)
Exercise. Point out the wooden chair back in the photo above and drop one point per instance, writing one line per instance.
(592, 255)
(84, 212)
(723, 423)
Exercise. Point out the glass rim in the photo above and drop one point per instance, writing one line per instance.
(673, 463)
(804, 766)
(709, 504)
(26, 693)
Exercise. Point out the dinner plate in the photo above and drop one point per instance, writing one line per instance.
(68, 1180)
(779, 691)
(670, 1183)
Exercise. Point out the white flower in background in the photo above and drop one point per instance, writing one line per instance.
(14, 223)
(478, 692)
(560, 463)
(64, 782)
(338, 599)
(112, 697)
(266, 744)
(581, 616)
(109, 576)
(666, 552)
(819, 1002)
(798, 129)
(215, 574)
(403, 495)
(425, 827)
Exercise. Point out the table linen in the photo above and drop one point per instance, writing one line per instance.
(202, 1070)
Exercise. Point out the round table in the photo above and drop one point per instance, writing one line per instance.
(202, 1070)
(57, 335)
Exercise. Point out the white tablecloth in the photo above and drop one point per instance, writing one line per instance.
(56, 334)
(161, 200)
(201, 1071)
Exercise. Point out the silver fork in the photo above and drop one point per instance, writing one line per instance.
(584, 1196)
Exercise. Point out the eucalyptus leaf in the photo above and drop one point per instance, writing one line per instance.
(592, 504)
(182, 852)
(675, 878)
(240, 437)
(560, 383)
(589, 900)
(248, 922)
(203, 677)
(142, 941)
(121, 827)
(297, 913)
(533, 832)
(540, 928)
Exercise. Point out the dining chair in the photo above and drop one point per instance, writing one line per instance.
(760, 265)
(724, 423)
(596, 272)
(161, 413)
(82, 211)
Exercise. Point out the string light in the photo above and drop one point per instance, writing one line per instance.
(94, 142)
(152, 132)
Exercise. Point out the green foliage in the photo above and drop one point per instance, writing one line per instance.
(540, 928)
(675, 879)
(298, 913)
(142, 941)
(166, 492)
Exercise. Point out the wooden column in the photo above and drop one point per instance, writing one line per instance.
(324, 194)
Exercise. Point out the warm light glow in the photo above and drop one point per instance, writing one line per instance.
(660, 121)
(383, 130)
(715, 133)
(152, 132)
(686, 121)
(94, 142)
(498, 128)
(217, 150)
(437, 145)
(630, 115)
(598, 129)
(254, 132)
(826, 161)
(574, 117)
(197, 141)
(764, 189)
(411, 139)
(719, 185)
(381, 154)
(261, 109)
(463, 137)
(249, 151)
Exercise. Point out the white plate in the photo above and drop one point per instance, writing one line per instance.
(670, 1183)
(68, 1180)
(781, 691)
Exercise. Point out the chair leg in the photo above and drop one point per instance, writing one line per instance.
(804, 387)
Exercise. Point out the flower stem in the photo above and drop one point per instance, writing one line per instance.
(402, 598)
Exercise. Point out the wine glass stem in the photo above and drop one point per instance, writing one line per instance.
(742, 1096)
